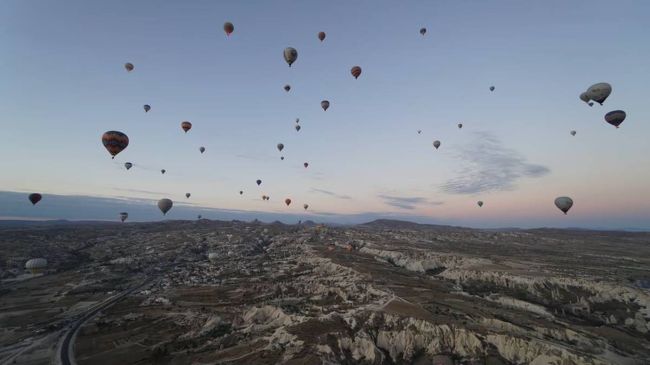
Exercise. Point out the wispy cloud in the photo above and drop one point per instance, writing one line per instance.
(147, 192)
(406, 202)
(487, 165)
(330, 193)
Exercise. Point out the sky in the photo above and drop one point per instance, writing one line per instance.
(64, 84)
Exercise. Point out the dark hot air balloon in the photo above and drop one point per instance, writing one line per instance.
(259, 182)
(436, 144)
(241, 192)
(306, 164)
(147, 107)
(423, 31)
(228, 27)
(187, 195)
(290, 55)
(564, 203)
(356, 71)
(297, 127)
(480, 203)
(287, 201)
(280, 147)
(305, 206)
(35, 198)
(491, 88)
(115, 142)
(186, 126)
(615, 117)
(201, 149)
(128, 165)
(163, 171)
(325, 104)
(129, 66)
(287, 88)
(165, 205)
(124, 216)
(599, 92)
(321, 36)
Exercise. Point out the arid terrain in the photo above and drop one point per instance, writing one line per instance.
(386, 292)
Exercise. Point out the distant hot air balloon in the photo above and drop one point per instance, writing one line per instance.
(129, 66)
(201, 149)
(241, 192)
(147, 107)
(423, 31)
(115, 142)
(163, 171)
(280, 147)
(491, 88)
(584, 97)
(306, 164)
(460, 125)
(282, 158)
(573, 133)
(228, 27)
(591, 103)
(198, 216)
(305, 206)
(128, 165)
(259, 182)
(480, 203)
(186, 126)
(36, 266)
(321, 36)
(599, 92)
(124, 216)
(419, 131)
(290, 55)
(297, 127)
(615, 117)
(165, 205)
(436, 144)
(325, 104)
(187, 195)
(287, 87)
(287, 201)
(297, 120)
(564, 203)
(35, 198)
(356, 71)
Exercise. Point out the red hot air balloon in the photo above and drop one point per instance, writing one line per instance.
(115, 142)
(35, 198)
(321, 36)
(287, 201)
(186, 126)
(228, 27)
(356, 71)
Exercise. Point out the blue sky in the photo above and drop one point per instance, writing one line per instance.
(64, 85)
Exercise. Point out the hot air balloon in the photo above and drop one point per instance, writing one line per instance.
(124, 216)
(115, 142)
(423, 31)
(241, 192)
(591, 103)
(564, 203)
(460, 125)
(201, 149)
(128, 165)
(165, 205)
(305, 206)
(129, 66)
(187, 195)
(228, 27)
(186, 126)
(280, 147)
(573, 133)
(436, 144)
(282, 158)
(297, 120)
(584, 97)
(297, 127)
(36, 266)
(259, 182)
(35, 198)
(163, 171)
(325, 104)
(147, 107)
(287, 87)
(321, 36)
(198, 216)
(599, 92)
(615, 117)
(287, 201)
(491, 88)
(290, 55)
(480, 203)
(419, 131)
(356, 71)
(306, 164)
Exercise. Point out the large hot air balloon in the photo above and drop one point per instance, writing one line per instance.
(573, 133)
(35, 198)
(325, 104)
(491, 88)
(124, 216)
(306, 164)
(480, 203)
(460, 125)
(356, 71)
(165, 205)
(287, 87)
(564, 203)
(163, 171)
(436, 144)
(36, 266)
(297, 127)
(115, 142)
(423, 31)
(280, 147)
(290, 55)
(305, 206)
(615, 117)
(147, 107)
(321, 36)
(187, 195)
(259, 182)
(599, 92)
(584, 97)
(201, 149)
(287, 201)
(128, 165)
(228, 27)
(129, 66)
(186, 126)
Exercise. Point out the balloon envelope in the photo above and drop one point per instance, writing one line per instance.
(187, 195)
(280, 147)
(573, 133)
(305, 206)
(202, 149)
(124, 216)
(128, 165)
(306, 164)
(228, 27)
(35, 198)
(297, 127)
(491, 88)
(564, 203)
(356, 71)
(480, 203)
(599, 92)
(186, 126)
(147, 107)
(436, 144)
(287, 88)
(584, 97)
(163, 171)
(615, 117)
(165, 205)
(115, 142)
(259, 182)
(290, 55)
(460, 125)
(324, 104)
(321, 36)
(129, 66)
(423, 31)
(287, 201)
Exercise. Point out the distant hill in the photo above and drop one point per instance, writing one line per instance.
(48, 223)
(398, 224)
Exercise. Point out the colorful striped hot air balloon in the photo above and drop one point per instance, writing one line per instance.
(115, 142)
(186, 126)
(356, 71)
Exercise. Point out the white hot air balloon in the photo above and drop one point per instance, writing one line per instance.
(36, 265)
